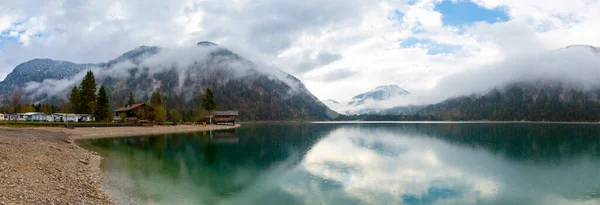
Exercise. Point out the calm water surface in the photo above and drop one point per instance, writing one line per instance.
(507, 163)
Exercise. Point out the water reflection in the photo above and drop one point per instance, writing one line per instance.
(360, 164)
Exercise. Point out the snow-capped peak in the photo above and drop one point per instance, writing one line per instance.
(378, 94)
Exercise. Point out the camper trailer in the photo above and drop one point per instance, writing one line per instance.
(64, 117)
(36, 117)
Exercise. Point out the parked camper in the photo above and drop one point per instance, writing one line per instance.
(85, 118)
(62, 117)
(20, 116)
(11, 117)
(35, 117)
(2, 117)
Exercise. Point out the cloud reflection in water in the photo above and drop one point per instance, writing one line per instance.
(382, 166)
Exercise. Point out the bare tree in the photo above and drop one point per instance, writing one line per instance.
(16, 99)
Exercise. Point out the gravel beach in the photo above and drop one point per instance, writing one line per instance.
(40, 167)
(43, 166)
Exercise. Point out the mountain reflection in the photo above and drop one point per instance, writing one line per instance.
(516, 163)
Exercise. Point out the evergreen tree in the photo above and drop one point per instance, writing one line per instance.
(158, 113)
(208, 100)
(74, 100)
(87, 94)
(156, 99)
(102, 111)
(131, 99)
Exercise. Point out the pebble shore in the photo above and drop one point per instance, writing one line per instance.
(40, 167)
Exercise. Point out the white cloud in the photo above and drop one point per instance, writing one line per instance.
(361, 38)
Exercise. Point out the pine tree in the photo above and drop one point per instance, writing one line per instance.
(131, 99)
(156, 99)
(102, 111)
(74, 100)
(208, 100)
(87, 93)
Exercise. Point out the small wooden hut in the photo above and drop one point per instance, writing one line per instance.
(225, 117)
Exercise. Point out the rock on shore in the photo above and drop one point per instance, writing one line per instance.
(40, 167)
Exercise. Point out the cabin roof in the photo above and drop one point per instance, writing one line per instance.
(226, 113)
(34, 113)
(128, 108)
(65, 114)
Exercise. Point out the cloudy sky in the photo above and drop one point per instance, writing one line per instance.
(338, 48)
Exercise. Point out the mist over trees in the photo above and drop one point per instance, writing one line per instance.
(522, 102)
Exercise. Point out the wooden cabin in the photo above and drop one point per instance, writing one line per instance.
(137, 111)
(225, 117)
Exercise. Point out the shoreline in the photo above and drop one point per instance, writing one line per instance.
(84, 133)
(43, 165)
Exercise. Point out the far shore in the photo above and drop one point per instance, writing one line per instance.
(111, 132)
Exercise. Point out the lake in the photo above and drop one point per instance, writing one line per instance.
(354, 163)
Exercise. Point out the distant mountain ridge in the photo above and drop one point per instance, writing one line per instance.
(378, 94)
(37, 70)
(522, 101)
(258, 93)
(369, 102)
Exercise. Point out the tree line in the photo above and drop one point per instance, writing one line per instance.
(87, 98)
(16, 104)
(157, 112)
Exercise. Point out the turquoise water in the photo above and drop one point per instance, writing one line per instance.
(424, 163)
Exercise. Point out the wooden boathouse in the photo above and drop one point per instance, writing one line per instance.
(225, 117)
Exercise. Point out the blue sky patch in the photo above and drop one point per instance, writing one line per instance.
(433, 194)
(432, 47)
(466, 12)
(397, 16)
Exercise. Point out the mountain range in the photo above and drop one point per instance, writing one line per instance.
(181, 75)
(264, 93)
(559, 85)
